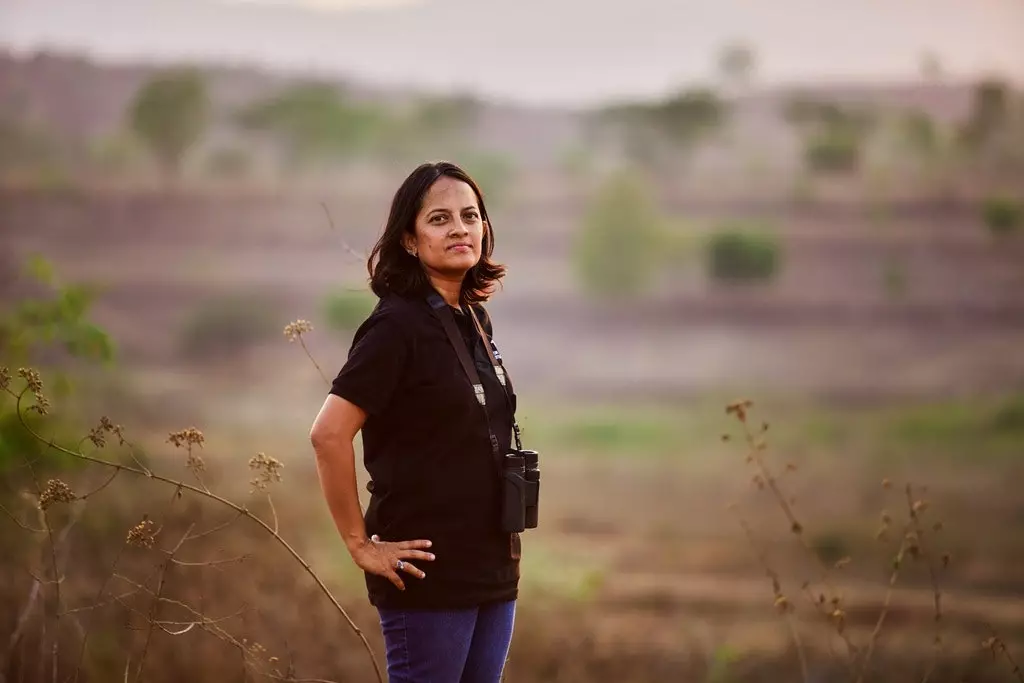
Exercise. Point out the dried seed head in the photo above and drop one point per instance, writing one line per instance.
(886, 484)
(886, 518)
(295, 330)
(797, 527)
(843, 562)
(98, 434)
(142, 535)
(187, 437)
(42, 405)
(920, 506)
(55, 491)
(32, 379)
(946, 559)
(839, 618)
(782, 604)
(5, 377)
(267, 470)
(739, 409)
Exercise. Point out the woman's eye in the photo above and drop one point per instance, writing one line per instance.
(439, 218)
(472, 216)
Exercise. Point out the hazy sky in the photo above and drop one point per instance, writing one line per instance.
(540, 51)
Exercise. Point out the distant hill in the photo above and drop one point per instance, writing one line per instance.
(75, 98)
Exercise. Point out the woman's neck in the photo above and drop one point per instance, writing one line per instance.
(449, 289)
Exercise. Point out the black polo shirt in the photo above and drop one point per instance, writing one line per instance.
(428, 454)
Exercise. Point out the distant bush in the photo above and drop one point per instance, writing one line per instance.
(1002, 215)
(228, 324)
(742, 254)
(618, 245)
(347, 309)
(833, 151)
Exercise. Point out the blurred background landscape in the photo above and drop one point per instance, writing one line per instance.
(816, 207)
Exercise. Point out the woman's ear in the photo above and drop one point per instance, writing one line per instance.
(409, 243)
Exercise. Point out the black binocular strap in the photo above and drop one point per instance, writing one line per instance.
(444, 313)
(499, 370)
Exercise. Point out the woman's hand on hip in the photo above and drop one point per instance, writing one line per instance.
(389, 558)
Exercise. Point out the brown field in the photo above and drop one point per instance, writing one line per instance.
(640, 570)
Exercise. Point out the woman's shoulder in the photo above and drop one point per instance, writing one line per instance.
(396, 315)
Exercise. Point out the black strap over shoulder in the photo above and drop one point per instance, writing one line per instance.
(444, 313)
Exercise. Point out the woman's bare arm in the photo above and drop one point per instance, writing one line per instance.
(333, 433)
(332, 436)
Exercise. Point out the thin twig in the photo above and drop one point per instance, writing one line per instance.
(897, 565)
(215, 529)
(273, 511)
(796, 527)
(313, 360)
(17, 521)
(156, 601)
(101, 486)
(344, 244)
(210, 563)
(781, 602)
(914, 511)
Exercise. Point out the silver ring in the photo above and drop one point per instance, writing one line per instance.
(400, 565)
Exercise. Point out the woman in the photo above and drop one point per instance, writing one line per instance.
(440, 570)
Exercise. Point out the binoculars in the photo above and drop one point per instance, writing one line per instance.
(520, 484)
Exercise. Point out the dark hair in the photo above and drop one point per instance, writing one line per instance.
(398, 272)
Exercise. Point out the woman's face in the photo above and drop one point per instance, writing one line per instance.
(449, 229)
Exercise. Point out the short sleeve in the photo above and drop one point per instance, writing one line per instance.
(376, 362)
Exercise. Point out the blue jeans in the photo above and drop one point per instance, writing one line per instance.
(447, 646)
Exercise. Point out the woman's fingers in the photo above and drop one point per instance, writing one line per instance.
(392, 576)
(409, 568)
(413, 545)
(416, 555)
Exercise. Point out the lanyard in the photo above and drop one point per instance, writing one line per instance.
(444, 313)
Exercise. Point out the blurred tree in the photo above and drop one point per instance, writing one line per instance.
(736, 65)
(316, 123)
(432, 127)
(47, 326)
(170, 114)
(656, 135)
(617, 247)
(833, 136)
(989, 113)
(742, 253)
(1003, 215)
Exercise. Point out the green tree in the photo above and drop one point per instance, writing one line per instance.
(658, 135)
(742, 253)
(48, 329)
(618, 245)
(316, 123)
(833, 136)
(170, 114)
